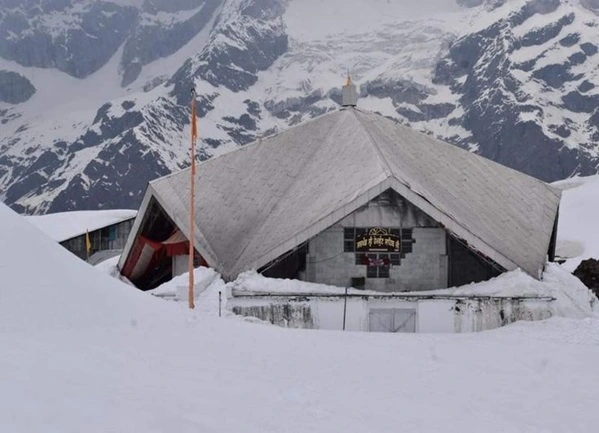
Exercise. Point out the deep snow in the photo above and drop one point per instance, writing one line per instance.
(45, 287)
(84, 352)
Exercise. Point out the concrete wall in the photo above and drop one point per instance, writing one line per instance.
(432, 315)
(425, 267)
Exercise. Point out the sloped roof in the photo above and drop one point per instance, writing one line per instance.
(256, 203)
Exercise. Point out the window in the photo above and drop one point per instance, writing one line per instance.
(348, 240)
(361, 259)
(407, 241)
(112, 233)
(378, 266)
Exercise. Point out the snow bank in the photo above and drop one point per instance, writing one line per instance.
(109, 267)
(207, 285)
(66, 225)
(573, 299)
(43, 286)
(255, 282)
(178, 286)
(578, 228)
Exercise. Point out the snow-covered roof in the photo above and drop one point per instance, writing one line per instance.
(66, 225)
(258, 202)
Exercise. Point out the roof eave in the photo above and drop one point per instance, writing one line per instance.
(134, 233)
(200, 242)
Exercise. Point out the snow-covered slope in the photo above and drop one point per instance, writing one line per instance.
(514, 80)
(83, 352)
(44, 287)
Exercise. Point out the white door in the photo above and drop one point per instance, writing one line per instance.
(392, 320)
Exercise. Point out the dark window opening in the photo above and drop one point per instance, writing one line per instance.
(290, 265)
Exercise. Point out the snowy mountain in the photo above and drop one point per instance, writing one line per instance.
(94, 95)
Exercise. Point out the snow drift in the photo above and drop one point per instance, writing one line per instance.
(43, 286)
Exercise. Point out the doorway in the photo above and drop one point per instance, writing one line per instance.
(392, 320)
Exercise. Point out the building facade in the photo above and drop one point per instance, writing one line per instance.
(388, 245)
(110, 239)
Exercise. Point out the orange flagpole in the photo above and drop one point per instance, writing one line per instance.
(194, 136)
(88, 245)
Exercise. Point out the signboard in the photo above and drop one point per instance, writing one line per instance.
(378, 240)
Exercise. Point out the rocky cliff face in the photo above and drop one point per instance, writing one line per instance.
(94, 94)
(15, 88)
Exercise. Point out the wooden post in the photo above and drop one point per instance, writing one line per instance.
(194, 133)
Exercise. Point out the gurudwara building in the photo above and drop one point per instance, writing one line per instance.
(350, 199)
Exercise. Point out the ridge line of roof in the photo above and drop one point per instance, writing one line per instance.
(556, 191)
(380, 157)
(333, 130)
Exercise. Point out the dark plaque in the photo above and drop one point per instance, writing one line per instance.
(378, 240)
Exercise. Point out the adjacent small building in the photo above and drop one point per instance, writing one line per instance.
(108, 231)
(351, 199)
